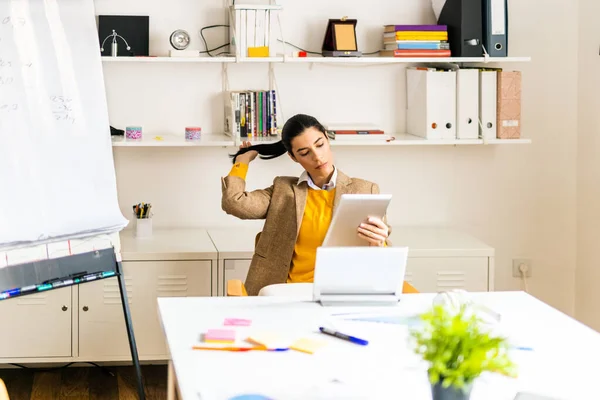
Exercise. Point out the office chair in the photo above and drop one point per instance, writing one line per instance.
(236, 288)
(3, 391)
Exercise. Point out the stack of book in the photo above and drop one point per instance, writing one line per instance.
(415, 41)
(250, 114)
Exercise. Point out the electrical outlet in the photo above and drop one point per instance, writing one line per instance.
(517, 262)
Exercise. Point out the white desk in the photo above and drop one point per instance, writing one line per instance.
(563, 364)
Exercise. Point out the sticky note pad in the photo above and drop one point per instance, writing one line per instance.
(236, 322)
(306, 345)
(268, 339)
(219, 336)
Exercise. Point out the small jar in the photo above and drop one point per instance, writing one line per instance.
(193, 133)
(133, 133)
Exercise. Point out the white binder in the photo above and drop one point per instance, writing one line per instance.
(431, 103)
(488, 104)
(467, 104)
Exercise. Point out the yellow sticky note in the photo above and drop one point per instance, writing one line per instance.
(306, 345)
(267, 339)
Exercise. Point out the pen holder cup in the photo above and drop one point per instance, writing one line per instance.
(143, 227)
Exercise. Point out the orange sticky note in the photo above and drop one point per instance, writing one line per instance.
(219, 336)
(307, 345)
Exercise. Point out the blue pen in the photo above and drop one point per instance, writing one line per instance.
(343, 336)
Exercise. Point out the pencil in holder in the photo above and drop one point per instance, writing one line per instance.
(143, 227)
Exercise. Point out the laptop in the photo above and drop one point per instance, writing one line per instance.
(353, 276)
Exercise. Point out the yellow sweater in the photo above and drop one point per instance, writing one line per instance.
(315, 223)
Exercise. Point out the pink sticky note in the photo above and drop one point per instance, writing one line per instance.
(219, 336)
(236, 322)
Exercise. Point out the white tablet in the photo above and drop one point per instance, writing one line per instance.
(352, 210)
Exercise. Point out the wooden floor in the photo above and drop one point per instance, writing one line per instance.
(84, 383)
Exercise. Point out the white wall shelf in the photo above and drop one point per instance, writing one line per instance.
(404, 139)
(211, 60)
(254, 60)
(401, 60)
(206, 140)
(222, 140)
(318, 60)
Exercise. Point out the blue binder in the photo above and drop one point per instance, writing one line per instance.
(495, 27)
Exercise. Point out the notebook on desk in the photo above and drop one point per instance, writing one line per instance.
(356, 276)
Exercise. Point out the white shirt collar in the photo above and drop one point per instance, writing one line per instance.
(328, 186)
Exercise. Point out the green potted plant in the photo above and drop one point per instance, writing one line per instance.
(458, 349)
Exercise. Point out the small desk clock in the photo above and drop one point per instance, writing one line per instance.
(340, 39)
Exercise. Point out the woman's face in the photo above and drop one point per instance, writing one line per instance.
(311, 150)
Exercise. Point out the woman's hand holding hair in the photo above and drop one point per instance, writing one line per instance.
(248, 156)
(374, 231)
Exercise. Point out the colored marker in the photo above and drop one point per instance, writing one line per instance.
(343, 336)
(44, 287)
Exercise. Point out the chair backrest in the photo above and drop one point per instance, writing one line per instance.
(3, 391)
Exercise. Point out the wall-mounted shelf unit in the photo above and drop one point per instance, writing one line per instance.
(317, 60)
(222, 140)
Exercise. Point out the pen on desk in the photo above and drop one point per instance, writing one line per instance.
(343, 336)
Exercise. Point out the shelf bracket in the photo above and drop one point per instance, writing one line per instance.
(271, 76)
(224, 78)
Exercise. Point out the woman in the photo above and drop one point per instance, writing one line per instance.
(298, 211)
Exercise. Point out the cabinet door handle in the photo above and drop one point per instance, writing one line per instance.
(85, 308)
(65, 308)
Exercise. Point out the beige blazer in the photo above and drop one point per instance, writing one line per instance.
(282, 205)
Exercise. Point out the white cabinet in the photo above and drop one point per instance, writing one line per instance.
(37, 325)
(102, 333)
(430, 274)
(438, 259)
(442, 259)
(86, 322)
(170, 263)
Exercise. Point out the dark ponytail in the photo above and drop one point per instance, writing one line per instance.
(292, 128)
